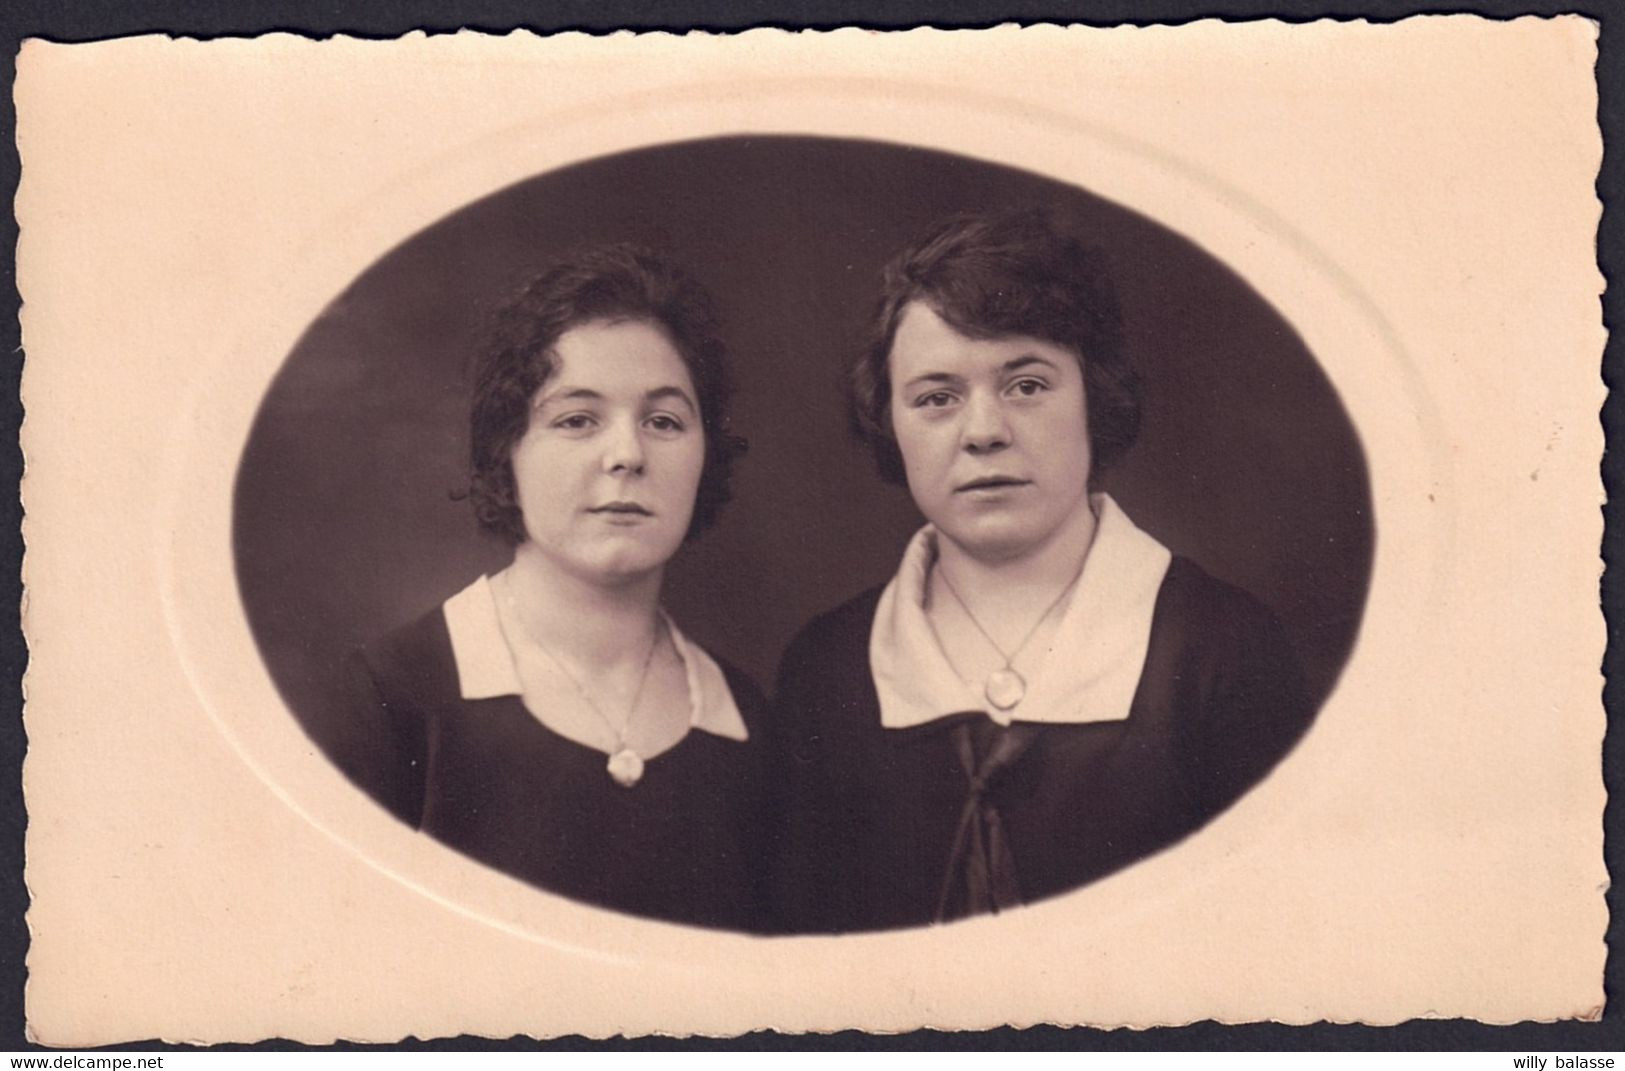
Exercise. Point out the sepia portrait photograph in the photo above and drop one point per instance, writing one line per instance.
(698, 534)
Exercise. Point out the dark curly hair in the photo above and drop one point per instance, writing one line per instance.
(1019, 272)
(611, 282)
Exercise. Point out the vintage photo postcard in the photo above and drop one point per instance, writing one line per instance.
(689, 534)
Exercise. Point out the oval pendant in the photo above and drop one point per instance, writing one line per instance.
(1004, 689)
(626, 767)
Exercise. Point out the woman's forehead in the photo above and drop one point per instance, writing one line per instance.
(927, 344)
(616, 360)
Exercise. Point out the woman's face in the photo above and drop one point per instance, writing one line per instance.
(994, 434)
(607, 471)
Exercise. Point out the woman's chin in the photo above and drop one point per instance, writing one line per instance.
(619, 566)
(994, 540)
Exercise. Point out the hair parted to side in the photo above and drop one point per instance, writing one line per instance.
(1019, 272)
(616, 282)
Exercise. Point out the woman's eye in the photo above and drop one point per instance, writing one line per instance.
(574, 422)
(1026, 388)
(665, 422)
(935, 400)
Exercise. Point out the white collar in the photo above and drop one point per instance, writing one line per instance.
(1097, 654)
(485, 667)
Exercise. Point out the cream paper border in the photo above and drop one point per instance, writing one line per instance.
(1416, 199)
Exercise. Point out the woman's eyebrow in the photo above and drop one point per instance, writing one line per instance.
(660, 394)
(924, 378)
(1026, 360)
(570, 394)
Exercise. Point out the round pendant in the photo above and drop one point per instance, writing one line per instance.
(1004, 689)
(626, 767)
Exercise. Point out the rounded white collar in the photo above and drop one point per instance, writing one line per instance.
(485, 665)
(1092, 667)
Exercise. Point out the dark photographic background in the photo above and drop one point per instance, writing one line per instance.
(348, 520)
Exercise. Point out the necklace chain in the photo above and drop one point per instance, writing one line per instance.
(637, 695)
(1009, 659)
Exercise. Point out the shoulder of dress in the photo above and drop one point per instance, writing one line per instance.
(414, 660)
(825, 667)
(748, 695)
(1192, 594)
(1227, 671)
(851, 621)
(1207, 629)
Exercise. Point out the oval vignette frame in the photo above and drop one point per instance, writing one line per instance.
(1360, 357)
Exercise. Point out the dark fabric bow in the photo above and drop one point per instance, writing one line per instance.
(981, 874)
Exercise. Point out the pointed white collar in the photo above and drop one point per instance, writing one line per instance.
(485, 666)
(1096, 657)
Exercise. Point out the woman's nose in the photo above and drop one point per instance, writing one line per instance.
(985, 428)
(623, 450)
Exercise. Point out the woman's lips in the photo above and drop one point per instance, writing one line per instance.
(621, 509)
(990, 483)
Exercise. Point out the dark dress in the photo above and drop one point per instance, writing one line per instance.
(884, 828)
(488, 779)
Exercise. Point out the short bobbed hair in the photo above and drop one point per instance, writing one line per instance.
(1021, 272)
(614, 283)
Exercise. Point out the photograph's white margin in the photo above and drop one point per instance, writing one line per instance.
(1339, 325)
